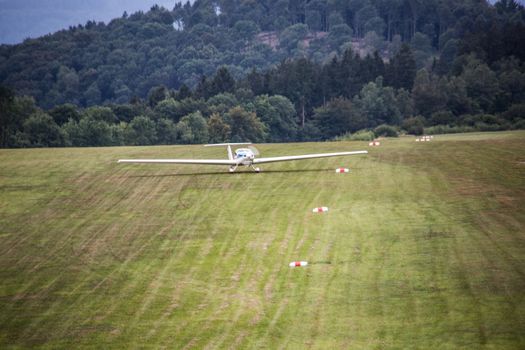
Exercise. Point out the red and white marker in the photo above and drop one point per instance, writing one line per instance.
(319, 210)
(298, 263)
(374, 143)
(342, 170)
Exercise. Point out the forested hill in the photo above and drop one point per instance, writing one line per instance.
(359, 56)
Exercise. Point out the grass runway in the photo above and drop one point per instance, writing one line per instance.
(425, 244)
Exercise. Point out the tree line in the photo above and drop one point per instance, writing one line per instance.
(297, 100)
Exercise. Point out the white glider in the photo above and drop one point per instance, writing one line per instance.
(242, 156)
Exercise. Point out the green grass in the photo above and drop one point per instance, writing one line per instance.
(426, 244)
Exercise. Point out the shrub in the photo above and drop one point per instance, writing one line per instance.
(515, 113)
(482, 126)
(360, 135)
(386, 130)
(87, 132)
(482, 120)
(141, 131)
(442, 118)
(414, 125)
(40, 130)
(447, 129)
(520, 124)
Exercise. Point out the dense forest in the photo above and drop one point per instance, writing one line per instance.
(270, 71)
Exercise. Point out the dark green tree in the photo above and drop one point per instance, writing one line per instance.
(338, 117)
(168, 109)
(222, 103)
(481, 83)
(7, 116)
(222, 82)
(184, 92)
(414, 125)
(141, 131)
(166, 132)
(245, 30)
(15, 111)
(42, 131)
(290, 37)
(62, 113)
(427, 93)
(401, 71)
(104, 114)
(245, 126)
(278, 113)
(377, 104)
(157, 94)
(88, 132)
(219, 131)
(192, 128)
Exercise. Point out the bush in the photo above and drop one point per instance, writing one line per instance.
(479, 126)
(520, 124)
(87, 132)
(386, 130)
(40, 130)
(192, 129)
(442, 118)
(309, 133)
(361, 135)
(118, 133)
(414, 125)
(141, 131)
(482, 120)
(447, 129)
(482, 126)
(515, 113)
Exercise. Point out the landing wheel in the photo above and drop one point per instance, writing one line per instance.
(257, 170)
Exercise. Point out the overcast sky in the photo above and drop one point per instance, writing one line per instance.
(20, 19)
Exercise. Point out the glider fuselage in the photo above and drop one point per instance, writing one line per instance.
(245, 154)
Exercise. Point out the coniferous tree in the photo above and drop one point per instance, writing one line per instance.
(157, 94)
(6, 114)
(349, 75)
(203, 89)
(184, 92)
(401, 71)
(427, 93)
(222, 82)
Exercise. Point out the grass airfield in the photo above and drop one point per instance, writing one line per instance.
(423, 247)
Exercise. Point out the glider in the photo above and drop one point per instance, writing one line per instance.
(241, 157)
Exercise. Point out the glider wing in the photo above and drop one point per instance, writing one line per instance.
(305, 156)
(184, 161)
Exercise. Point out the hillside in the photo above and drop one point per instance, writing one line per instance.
(423, 245)
(95, 63)
(273, 71)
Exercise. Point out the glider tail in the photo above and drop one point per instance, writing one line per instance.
(228, 145)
